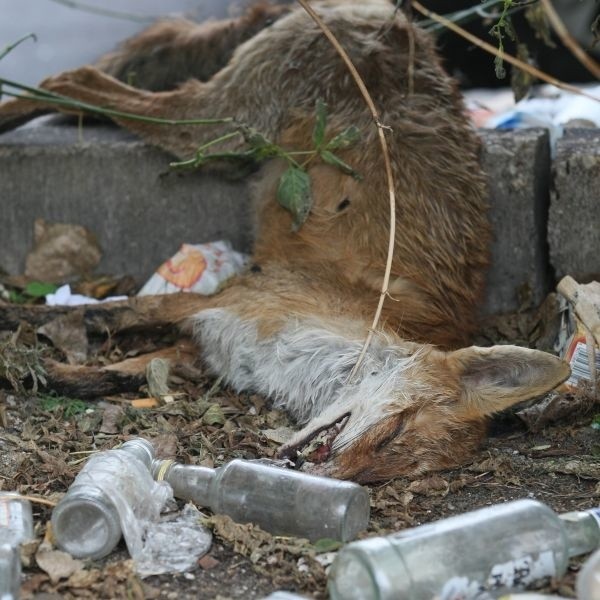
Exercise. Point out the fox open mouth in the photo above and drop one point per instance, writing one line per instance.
(317, 445)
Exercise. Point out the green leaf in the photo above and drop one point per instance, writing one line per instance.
(327, 545)
(320, 124)
(294, 194)
(214, 415)
(332, 159)
(38, 289)
(344, 139)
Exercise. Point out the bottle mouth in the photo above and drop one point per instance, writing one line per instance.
(86, 526)
(356, 517)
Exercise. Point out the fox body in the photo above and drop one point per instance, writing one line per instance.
(292, 327)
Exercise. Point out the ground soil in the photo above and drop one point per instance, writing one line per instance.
(42, 437)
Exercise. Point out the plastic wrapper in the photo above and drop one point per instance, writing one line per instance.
(174, 544)
(577, 341)
(64, 297)
(199, 268)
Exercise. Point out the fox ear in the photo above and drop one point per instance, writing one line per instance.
(495, 378)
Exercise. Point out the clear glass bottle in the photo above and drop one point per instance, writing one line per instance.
(488, 552)
(16, 526)
(281, 501)
(588, 579)
(10, 572)
(109, 496)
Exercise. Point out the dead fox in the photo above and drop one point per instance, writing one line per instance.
(292, 327)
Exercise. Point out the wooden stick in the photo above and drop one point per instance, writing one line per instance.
(142, 312)
(569, 41)
(507, 57)
(388, 170)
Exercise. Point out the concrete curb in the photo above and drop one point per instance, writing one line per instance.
(141, 211)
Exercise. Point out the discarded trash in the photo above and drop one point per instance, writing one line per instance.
(113, 494)
(199, 268)
(10, 572)
(280, 501)
(579, 336)
(480, 554)
(550, 108)
(174, 544)
(588, 579)
(64, 297)
(16, 526)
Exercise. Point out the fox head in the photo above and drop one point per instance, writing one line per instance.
(423, 411)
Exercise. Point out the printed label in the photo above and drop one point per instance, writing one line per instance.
(577, 356)
(595, 512)
(11, 515)
(518, 573)
(522, 572)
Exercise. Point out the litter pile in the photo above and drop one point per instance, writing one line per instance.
(271, 527)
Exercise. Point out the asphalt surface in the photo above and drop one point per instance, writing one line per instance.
(68, 37)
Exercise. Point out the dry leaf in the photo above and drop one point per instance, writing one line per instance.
(57, 564)
(68, 334)
(430, 486)
(61, 252)
(111, 418)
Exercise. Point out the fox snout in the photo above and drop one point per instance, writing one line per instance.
(433, 418)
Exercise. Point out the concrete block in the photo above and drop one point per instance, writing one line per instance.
(517, 164)
(142, 211)
(574, 221)
(120, 188)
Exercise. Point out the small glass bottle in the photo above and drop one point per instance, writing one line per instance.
(10, 572)
(588, 579)
(489, 551)
(281, 501)
(108, 496)
(16, 526)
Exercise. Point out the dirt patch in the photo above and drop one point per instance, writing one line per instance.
(45, 439)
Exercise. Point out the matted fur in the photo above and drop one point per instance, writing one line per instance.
(292, 327)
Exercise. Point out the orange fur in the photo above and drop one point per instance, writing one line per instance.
(327, 276)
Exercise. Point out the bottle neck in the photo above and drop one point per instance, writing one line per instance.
(189, 482)
(582, 529)
(140, 448)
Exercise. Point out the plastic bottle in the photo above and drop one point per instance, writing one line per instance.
(280, 501)
(588, 579)
(16, 526)
(113, 494)
(488, 552)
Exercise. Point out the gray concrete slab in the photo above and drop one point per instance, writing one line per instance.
(118, 187)
(517, 164)
(574, 225)
(142, 211)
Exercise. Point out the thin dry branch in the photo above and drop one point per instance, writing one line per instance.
(388, 170)
(569, 41)
(493, 50)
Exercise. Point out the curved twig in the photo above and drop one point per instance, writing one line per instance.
(388, 170)
(569, 41)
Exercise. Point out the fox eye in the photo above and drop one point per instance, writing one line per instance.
(383, 442)
(345, 203)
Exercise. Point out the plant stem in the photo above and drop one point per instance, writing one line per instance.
(507, 57)
(388, 170)
(49, 97)
(11, 47)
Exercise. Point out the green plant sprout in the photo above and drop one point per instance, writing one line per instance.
(11, 47)
(294, 189)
